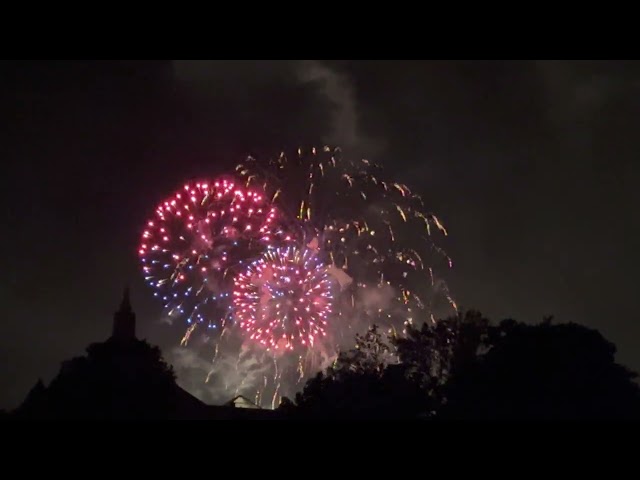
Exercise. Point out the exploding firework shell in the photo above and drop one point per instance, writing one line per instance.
(373, 229)
(284, 299)
(198, 239)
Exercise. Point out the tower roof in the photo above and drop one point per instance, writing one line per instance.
(125, 304)
(124, 320)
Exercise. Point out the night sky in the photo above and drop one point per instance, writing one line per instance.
(529, 164)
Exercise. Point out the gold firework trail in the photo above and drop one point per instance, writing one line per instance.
(402, 214)
(419, 258)
(275, 395)
(439, 225)
(275, 364)
(452, 302)
(426, 221)
(401, 188)
(393, 238)
(185, 338)
(300, 369)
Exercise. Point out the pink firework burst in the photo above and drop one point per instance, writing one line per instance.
(284, 299)
(199, 238)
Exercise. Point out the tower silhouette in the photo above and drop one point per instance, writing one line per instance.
(124, 321)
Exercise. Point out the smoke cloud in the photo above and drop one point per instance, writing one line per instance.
(339, 91)
(217, 369)
(337, 88)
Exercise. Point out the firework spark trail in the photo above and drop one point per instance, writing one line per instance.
(275, 395)
(300, 369)
(276, 372)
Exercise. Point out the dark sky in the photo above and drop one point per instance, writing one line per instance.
(530, 165)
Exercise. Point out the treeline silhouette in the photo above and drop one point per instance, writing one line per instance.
(459, 368)
(464, 368)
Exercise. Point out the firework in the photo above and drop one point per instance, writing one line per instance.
(372, 229)
(223, 254)
(284, 299)
(197, 241)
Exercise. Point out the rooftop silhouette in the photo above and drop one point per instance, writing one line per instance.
(121, 378)
(124, 320)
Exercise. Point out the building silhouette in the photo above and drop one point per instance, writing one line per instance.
(124, 321)
(124, 378)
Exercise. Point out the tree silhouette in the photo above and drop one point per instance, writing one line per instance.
(362, 395)
(543, 371)
(433, 352)
(464, 368)
(36, 393)
(371, 354)
(114, 380)
(363, 383)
